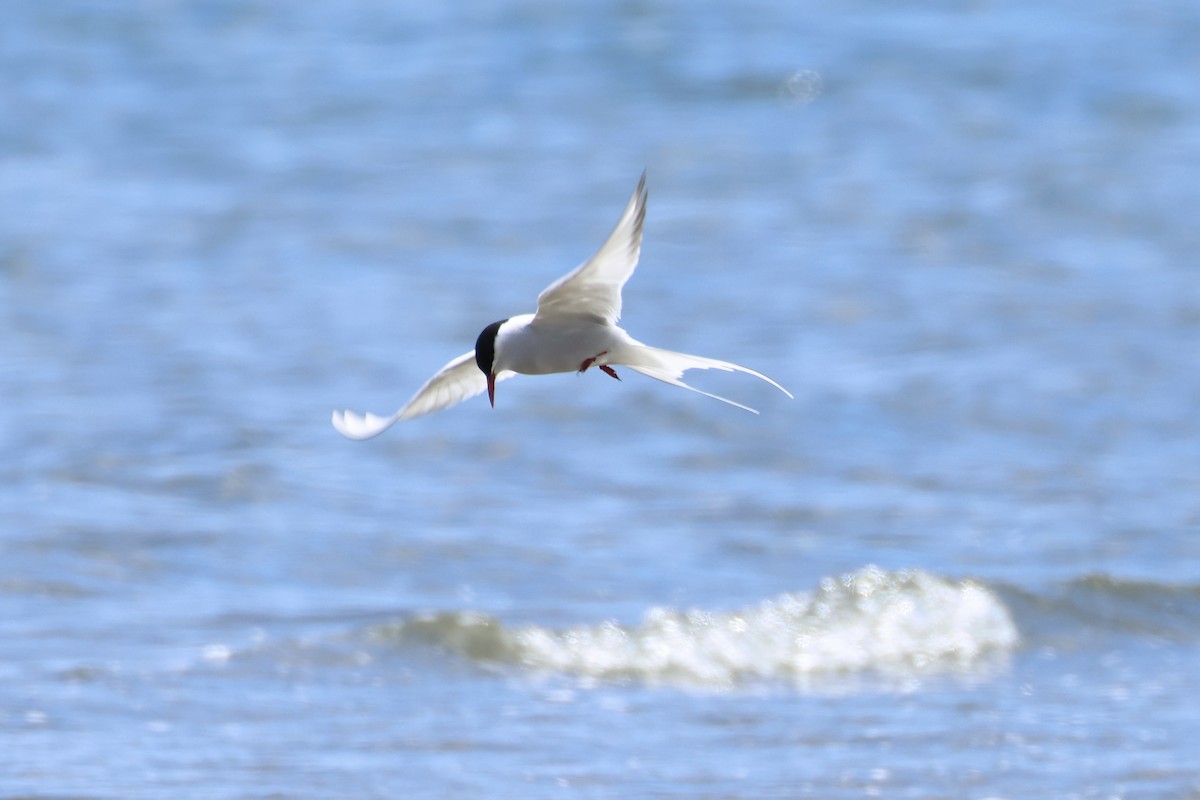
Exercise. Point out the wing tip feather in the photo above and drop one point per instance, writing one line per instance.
(359, 426)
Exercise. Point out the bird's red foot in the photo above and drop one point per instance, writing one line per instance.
(610, 371)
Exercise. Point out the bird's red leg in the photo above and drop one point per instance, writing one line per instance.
(610, 371)
(587, 362)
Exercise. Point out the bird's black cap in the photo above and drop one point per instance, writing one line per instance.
(485, 347)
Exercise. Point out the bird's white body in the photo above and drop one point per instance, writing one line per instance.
(524, 346)
(574, 329)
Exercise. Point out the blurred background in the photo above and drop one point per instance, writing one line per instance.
(963, 562)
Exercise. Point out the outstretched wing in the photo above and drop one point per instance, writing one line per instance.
(593, 289)
(457, 381)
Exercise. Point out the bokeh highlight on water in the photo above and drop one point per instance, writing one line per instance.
(963, 562)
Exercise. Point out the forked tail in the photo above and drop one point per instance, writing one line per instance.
(668, 366)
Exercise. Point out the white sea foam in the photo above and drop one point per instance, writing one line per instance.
(894, 623)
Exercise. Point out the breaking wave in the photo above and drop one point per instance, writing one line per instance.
(870, 621)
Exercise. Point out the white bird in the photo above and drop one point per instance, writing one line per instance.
(574, 328)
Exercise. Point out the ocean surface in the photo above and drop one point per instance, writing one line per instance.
(964, 561)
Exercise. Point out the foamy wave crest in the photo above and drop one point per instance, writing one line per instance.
(895, 623)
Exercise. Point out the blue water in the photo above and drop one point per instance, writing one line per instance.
(963, 562)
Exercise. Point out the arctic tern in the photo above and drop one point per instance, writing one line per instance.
(574, 328)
